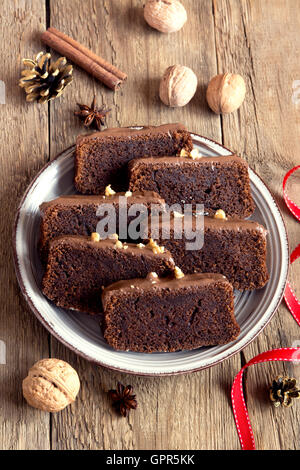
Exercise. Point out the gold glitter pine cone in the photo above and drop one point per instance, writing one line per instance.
(44, 81)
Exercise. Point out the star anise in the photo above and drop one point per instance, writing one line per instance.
(122, 399)
(283, 390)
(92, 115)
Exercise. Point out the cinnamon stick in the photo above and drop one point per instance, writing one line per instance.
(103, 63)
(84, 58)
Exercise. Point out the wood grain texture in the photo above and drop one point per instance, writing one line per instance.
(247, 37)
(253, 39)
(172, 410)
(24, 150)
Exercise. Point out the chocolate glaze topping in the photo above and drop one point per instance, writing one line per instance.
(171, 161)
(78, 199)
(217, 224)
(129, 132)
(81, 241)
(169, 282)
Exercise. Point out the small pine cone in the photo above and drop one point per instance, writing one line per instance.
(283, 390)
(43, 81)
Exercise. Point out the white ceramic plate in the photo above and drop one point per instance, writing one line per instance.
(81, 332)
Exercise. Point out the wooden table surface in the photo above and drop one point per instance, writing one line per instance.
(258, 39)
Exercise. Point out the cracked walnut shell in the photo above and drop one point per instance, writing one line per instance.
(51, 385)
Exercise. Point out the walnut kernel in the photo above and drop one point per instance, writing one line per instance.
(220, 214)
(109, 191)
(95, 237)
(155, 247)
(178, 273)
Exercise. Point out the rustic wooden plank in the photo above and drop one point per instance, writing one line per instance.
(260, 41)
(174, 412)
(24, 149)
(191, 411)
(118, 32)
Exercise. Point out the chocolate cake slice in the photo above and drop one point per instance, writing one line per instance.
(166, 315)
(216, 182)
(79, 215)
(235, 248)
(79, 268)
(101, 158)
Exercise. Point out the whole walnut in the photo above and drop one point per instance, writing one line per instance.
(226, 92)
(178, 86)
(167, 16)
(51, 385)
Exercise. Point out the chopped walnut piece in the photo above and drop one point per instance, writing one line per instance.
(152, 277)
(113, 236)
(178, 273)
(128, 194)
(177, 214)
(140, 245)
(95, 237)
(118, 244)
(183, 153)
(220, 214)
(109, 191)
(194, 154)
(155, 247)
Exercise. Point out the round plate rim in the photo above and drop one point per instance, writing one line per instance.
(98, 362)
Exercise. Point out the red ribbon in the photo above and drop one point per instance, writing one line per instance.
(289, 295)
(295, 210)
(240, 412)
